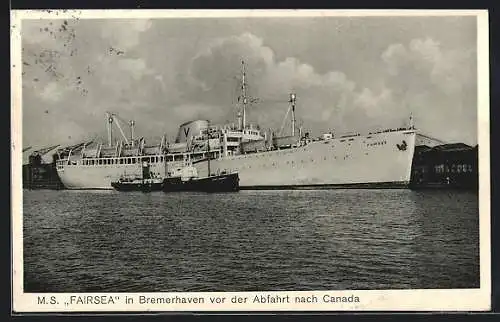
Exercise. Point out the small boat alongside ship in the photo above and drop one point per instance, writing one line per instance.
(144, 185)
(224, 182)
(147, 183)
(185, 179)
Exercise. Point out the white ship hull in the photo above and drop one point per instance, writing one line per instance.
(361, 161)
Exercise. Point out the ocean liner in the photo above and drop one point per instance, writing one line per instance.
(263, 159)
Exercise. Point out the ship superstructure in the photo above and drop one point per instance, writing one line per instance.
(263, 159)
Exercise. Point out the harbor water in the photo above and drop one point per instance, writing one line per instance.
(106, 241)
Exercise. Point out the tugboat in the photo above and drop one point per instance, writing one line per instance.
(223, 182)
(147, 183)
(190, 181)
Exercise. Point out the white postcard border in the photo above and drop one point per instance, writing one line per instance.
(369, 300)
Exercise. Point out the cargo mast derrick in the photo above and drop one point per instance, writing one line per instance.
(113, 118)
(244, 97)
(292, 101)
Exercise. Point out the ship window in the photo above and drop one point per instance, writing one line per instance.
(121, 161)
(100, 162)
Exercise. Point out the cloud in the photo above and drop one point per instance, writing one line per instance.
(51, 92)
(420, 78)
(162, 84)
(437, 84)
(321, 96)
(124, 34)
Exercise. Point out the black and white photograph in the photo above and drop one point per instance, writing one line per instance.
(295, 159)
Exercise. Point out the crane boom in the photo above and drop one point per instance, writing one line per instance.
(120, 128)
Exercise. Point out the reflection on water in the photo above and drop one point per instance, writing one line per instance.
(77, 241)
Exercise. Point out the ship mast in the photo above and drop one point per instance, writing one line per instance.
(110, 129)
(292, 102)
(208, 148)
(244, 95)
(132, 123)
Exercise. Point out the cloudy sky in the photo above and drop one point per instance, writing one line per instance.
(350, 74)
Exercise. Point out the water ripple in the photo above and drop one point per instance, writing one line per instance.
(253, 240)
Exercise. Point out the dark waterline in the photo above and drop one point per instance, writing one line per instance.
(105, 241)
